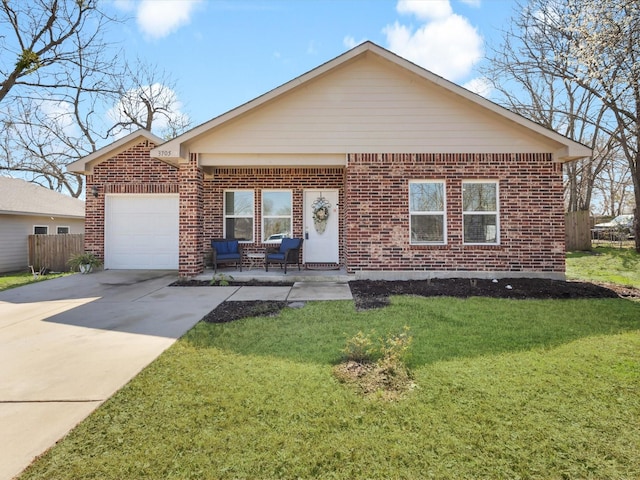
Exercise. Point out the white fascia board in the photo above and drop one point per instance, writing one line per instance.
(85, 164)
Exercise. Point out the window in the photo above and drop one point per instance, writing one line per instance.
(427, 212)
(480, 212)
(40, 230)
(62, 230)
(276, 215)
(238, 214)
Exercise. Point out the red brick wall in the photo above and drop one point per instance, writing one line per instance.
(132, 171)
(191, 258)
(258, 179)
(374, 219)
(531, 212)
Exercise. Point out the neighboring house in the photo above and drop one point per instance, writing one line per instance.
(27, 209)
(420, 177)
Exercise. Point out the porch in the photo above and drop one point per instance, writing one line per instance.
(275, 275)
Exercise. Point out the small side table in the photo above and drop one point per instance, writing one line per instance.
(254, 259)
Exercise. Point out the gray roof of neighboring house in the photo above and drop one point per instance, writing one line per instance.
(19, 197)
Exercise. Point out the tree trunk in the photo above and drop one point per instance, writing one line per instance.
(636, 211)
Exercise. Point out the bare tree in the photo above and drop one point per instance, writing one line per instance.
(64, 82)
(604, 58)
(581, 177)
(615, 186)
(552, 101)
(595, 45)
(591, 49)
(43, 37)
(52, 60)
(37, 143)
(148, 99)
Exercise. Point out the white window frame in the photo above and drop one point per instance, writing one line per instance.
(263, 216)
(58, 227)
(433, 213)
(495, 212)
(40, 226)
(252, 216)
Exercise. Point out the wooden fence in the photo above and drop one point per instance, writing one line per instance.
(578, 230)
(53, 251)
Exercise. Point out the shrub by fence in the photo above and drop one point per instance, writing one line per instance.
(53, 251)
(578, 230)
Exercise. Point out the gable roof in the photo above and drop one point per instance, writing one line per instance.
(85, 164)
(564, 149)
(20, 197)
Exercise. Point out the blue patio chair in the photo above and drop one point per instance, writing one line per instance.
(287, 253)
(226, 251)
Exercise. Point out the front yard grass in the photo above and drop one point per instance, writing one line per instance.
(605, 264)
(505, 389)
(11, 280)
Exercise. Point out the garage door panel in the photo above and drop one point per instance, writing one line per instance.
(141, 231)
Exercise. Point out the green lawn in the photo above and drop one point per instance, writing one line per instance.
(11, 280)
(505, 389)
(605, 264)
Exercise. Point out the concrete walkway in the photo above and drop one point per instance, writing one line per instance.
(68, 344)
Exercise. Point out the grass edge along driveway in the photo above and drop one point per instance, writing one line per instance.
(12, 280)
(505, 389)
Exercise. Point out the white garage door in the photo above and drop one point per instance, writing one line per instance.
(141, 232)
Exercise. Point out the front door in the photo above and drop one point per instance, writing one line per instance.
(321, 226)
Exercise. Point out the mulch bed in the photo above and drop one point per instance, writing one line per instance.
(230, 311)
(369, 294)
(374, 294)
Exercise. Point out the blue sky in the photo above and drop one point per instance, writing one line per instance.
(223, 53)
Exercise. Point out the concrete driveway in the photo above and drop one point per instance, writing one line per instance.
(68, 344)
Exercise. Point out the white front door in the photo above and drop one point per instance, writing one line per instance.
(321, 237)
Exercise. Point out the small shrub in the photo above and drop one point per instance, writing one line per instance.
(360, 349)
(77, 261)
(395, 347)
(387, 377)
(221, 280)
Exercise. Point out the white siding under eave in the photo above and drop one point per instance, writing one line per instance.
(370, 106)
(14, 234)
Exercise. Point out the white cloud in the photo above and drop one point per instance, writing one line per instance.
(447, 44)
(431, 10)
(60, 114)
(312, 48)
(351, 42)
(479, 85)
(472, 3)
(125, 5)
(157, 19)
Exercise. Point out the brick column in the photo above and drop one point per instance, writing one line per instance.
(191, 219)
(94, 218)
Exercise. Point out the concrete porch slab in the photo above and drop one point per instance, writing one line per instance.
(245, 294)
(309, 291)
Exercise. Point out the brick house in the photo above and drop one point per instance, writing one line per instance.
(419, 177)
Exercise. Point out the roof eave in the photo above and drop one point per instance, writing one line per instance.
(572, 153)
(177, 148)
(85, 164)
(41, 214)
